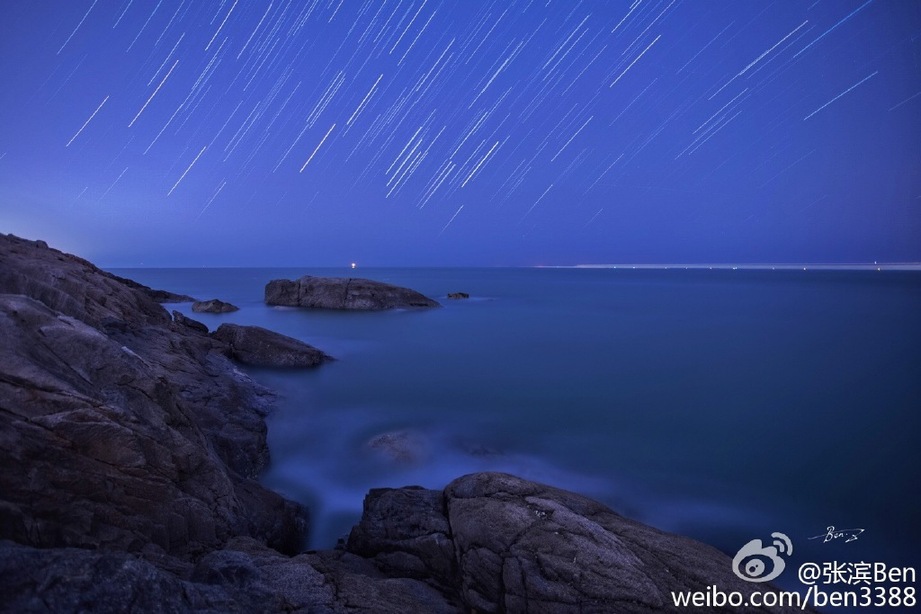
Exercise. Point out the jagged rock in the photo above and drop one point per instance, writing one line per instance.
(63, 580)
(119, 428)
(505, 544)
(406, 532)
(112, 455)
(213, 306)
(342, 293)
(458, 295)
(257, 346)
(243, 577)
(160, 296)
(183, 320)
(361, 587)
(75, 287)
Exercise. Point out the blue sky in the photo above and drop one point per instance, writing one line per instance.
(462, 132)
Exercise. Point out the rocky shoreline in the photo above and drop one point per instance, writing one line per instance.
(131, 450)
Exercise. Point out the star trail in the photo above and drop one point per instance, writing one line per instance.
(327, 131)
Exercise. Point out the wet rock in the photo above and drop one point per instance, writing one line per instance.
(406, 532)
(160, 296)
(122, 429)
(213, 306)
(342, 293)
(505, 544)
(257, 346)
(64, 580)
(458, 295)
(195, 325)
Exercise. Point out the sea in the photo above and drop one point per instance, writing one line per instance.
(724, 405)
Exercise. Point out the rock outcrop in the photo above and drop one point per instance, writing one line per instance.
(342, 293)
(458, 295)
(498, 543)
(122, 430)
(213, 306)
(259, 347)
(160, 296)
(194, 325)
(130, 444)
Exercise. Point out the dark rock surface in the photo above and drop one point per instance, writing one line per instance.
(120, 429)
(499, 543)
(195, 325)
(130, 444)
(243, 577)
(213, 306)
(342, 293)
(458, 295)
(160, 296)
(259, 347)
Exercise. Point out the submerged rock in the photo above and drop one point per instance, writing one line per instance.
(342, 293)
(404, 447)
(458, 295)
(260, 347)
(213, 306)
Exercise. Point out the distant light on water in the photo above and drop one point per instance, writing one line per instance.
(844, 266)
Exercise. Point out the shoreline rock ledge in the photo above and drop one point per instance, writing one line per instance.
(131, 448)
(343, 293)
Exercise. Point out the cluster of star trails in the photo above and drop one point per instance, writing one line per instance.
(504, 109)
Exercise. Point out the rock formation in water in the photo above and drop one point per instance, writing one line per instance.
(123, 430)
(259, 347)
(458, 295)
(342, 293)
(213, 306)
(130, 446)
(498, 543)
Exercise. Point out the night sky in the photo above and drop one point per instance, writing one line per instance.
(462, 132)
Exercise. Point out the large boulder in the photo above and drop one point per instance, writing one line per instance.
(213, 306)
(183, 320)
(121, 429)
(260, 347)
(504, 544)
(75, 287)
(342, 293)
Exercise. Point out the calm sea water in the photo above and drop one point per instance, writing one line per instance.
(723, 405)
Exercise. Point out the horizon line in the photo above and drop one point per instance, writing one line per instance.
(788, 266)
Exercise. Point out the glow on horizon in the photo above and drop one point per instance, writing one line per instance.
(784, 266)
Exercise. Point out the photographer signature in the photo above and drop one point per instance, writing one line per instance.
(831, 533)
